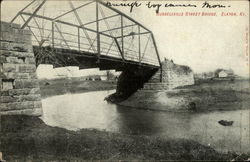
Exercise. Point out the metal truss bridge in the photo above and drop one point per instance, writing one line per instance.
(87, 34)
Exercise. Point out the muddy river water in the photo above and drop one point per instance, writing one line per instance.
(89, 110)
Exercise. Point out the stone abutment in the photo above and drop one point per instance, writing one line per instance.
(19, 86)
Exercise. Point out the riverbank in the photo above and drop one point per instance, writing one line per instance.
(73, 85)
(25, 138)
(203, 96)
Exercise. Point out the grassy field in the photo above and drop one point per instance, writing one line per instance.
(69, 85)
(25, 138)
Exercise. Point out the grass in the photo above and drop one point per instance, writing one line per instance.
(26, 138)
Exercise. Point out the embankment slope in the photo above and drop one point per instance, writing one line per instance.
(204, 96)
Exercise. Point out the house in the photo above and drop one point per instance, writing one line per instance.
(222, 73)
(104, 77)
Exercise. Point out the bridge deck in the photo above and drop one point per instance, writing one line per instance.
(60, 57)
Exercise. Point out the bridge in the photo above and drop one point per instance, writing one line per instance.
(90, 34)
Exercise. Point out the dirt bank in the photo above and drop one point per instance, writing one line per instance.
(73, 85)
(26, 138)
(203, 96)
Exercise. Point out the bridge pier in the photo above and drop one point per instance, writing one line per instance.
(19, 86)
(130, 80)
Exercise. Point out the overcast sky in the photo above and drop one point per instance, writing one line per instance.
(202, 42)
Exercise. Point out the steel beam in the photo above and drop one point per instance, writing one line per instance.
(157, 53)
(34, 13)
(119, 28)
(156, 49)
(21, 11)
(53, 36)
(139, 43)
(30, 30)
(61, 35)
(79, 39)
(110, 32)
(133, 34)
(122, 14)
(37, 24)
(65, 23)
(80, 23)
(119, 48)
(98, 35)
(122, 37)
(108, 17)
(144, 52)
(73, 10)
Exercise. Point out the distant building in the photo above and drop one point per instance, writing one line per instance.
(222, 73)
(93, 78)
(104, 77)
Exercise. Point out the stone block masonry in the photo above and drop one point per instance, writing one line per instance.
(173, 76)
(19, 86)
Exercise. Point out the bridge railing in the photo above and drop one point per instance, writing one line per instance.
(107, 32)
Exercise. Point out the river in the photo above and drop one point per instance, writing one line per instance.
(89, 110)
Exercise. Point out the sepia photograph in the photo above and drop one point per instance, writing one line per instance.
(124, 80)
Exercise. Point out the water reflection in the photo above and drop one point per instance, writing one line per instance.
(89, 110)
(152, 122)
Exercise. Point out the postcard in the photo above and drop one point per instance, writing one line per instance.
(128, 80)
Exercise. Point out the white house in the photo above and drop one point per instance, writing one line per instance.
(104, 77)
(222, 74)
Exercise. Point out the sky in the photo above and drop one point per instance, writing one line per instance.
(204, 43)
